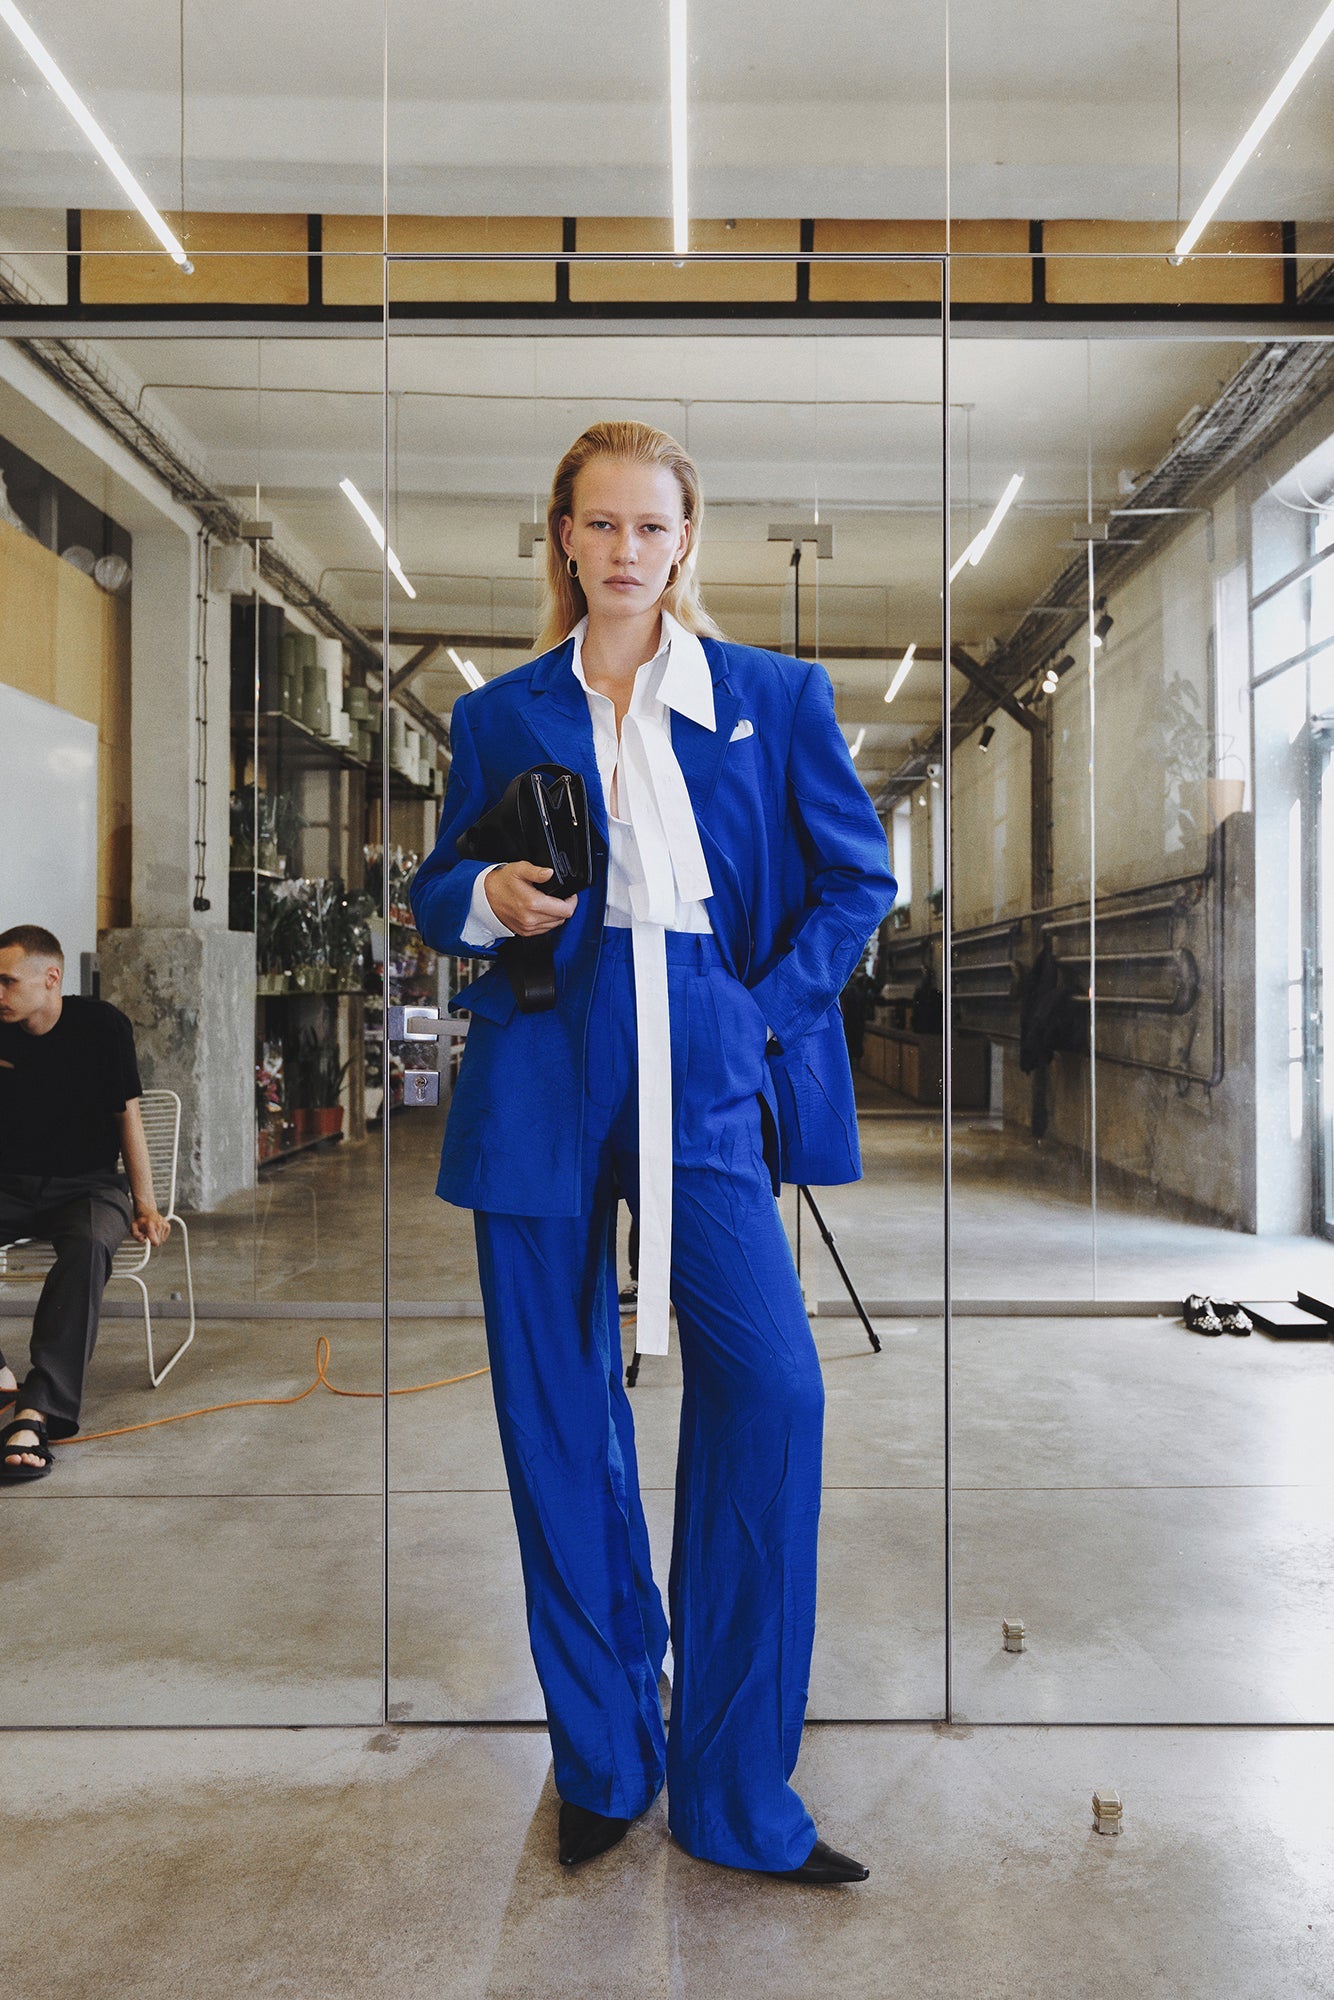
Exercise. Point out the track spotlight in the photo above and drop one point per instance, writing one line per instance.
(1103, 626)
(987, 737)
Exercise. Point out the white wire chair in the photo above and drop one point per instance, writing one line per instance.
(27, 1258)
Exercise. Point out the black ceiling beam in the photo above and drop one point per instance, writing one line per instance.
(973, 671)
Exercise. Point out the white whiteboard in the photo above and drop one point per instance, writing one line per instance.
(48, 823)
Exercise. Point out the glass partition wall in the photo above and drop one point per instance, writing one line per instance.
(207, 664)
(1108, 953)
(822, 467)
(1147, 1497)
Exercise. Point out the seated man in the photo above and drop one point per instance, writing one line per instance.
(69, 1107)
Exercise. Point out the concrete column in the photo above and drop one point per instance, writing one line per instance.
(190, 993)
(1283, 1150)
(162, 724)
(165, 737)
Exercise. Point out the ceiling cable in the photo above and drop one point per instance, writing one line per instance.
(1178, 6)
(181, 216)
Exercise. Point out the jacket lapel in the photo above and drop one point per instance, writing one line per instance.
(557, 718)
(700, 752)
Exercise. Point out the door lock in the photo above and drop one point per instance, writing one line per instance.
(422, 1024)
(421, 1086)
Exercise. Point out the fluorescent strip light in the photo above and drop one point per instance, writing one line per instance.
(467, 669)
(857, 741)
(981, 541)
(85, 120)
(370, 517)
(902, 674)
(680, 200)
(1256, 130)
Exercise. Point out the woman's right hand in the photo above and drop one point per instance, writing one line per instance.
(514, 893)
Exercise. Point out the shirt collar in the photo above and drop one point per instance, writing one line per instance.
(686, 683)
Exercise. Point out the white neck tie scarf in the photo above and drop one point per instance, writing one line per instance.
(671, 863)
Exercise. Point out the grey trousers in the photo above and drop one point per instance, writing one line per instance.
(85, 1218)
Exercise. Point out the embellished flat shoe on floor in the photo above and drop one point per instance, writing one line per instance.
(584, 1834)
(824, 1866)
(1230, 1316)
(1200, 1316)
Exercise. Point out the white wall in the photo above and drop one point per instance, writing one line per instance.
(48, 804)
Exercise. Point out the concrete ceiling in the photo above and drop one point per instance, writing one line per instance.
(781, 427)
(1054, 108)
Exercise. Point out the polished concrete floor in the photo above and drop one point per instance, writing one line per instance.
(418, 1864)
(1155, 1506)
(1152, 1504)
(1024, 1227)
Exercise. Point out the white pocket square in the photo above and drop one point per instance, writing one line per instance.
(743, 728)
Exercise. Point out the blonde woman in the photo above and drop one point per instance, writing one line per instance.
(694, 1055)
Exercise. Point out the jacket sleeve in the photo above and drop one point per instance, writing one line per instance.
(441, 892)
(849, 887)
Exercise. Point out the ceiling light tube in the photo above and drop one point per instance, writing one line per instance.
(981, 541)
(467, 669)
(370, 517)
(85, 120)
(857, 741)
(680, 194)
(902, 674)
(1256, 130)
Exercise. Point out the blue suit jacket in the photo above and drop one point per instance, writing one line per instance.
(800, 874)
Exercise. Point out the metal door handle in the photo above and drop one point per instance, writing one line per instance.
(438, 1030)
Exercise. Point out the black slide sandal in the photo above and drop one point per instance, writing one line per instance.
(15, 1474)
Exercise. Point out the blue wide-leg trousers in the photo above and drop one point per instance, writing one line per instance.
(743, 1566)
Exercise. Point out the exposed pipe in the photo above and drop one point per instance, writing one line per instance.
(1213, 875)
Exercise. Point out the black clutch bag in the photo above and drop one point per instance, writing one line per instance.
(542, 818)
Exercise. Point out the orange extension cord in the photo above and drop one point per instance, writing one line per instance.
(322, 1352)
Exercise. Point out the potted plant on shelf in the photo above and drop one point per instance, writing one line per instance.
(287, 826)
(350, 940)
(316, 1072)
(243, 829)
(271, 1109)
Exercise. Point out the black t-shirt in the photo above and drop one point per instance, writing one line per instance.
(60, 1092)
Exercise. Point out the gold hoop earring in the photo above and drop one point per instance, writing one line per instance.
(572, 566)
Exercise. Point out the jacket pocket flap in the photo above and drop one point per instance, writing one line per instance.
(491, 996)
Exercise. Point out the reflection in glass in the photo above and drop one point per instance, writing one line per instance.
(792, 437)
(1111, 1460)
(187, 1575)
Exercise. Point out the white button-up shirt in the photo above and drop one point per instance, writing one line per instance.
(677, 677)
(657, 880)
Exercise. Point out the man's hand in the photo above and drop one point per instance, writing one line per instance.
(512, 891)
(150, 1227)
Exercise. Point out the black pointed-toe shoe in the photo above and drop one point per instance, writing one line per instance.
(824, 1866)
(584, 1834)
